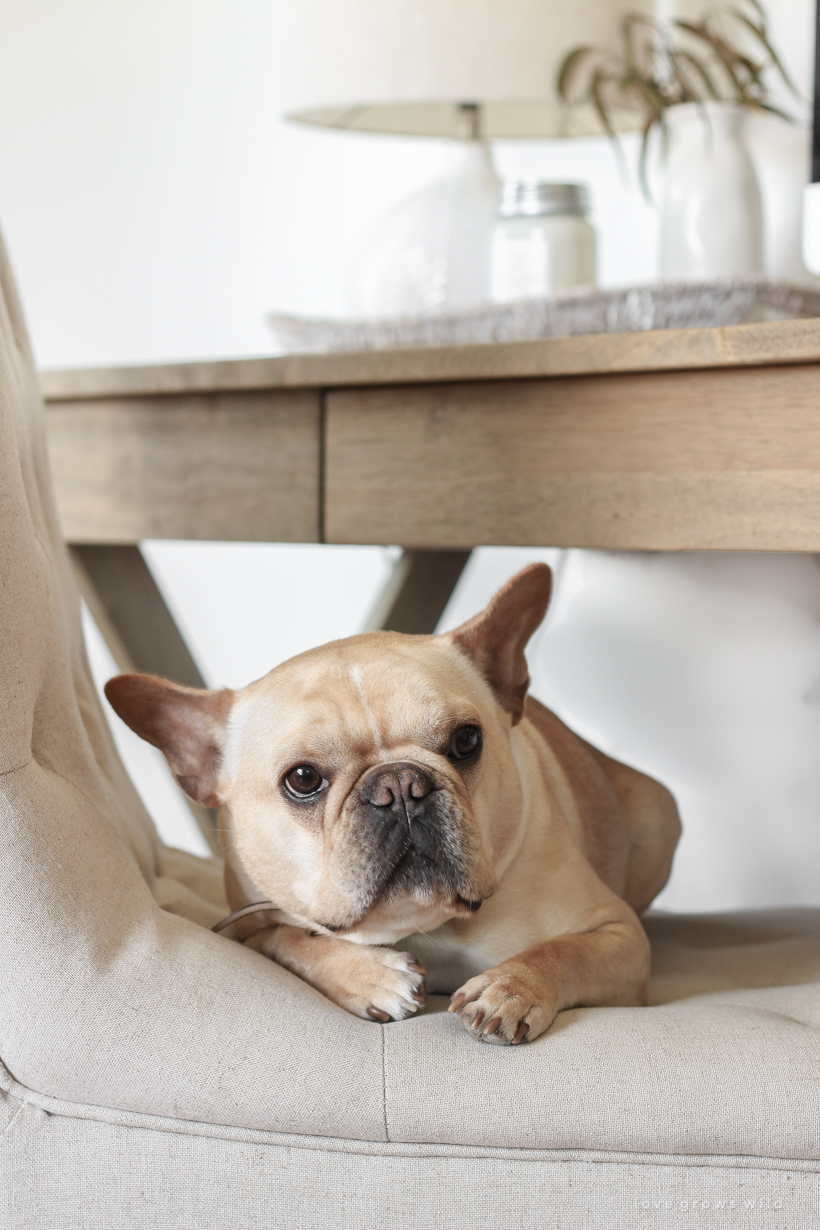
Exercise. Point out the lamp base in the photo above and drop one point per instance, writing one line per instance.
(432, 253)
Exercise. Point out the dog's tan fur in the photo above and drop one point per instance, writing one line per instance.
(562, 845)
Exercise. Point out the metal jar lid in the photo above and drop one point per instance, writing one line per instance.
(529, 198)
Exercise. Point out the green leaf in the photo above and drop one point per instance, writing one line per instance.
(632, 24)
(599, 79)
(700, 70)
(763, 38)
(772, 110)
(627, 30)
(686, 94)
(653, 96)
(759, 9)
(690, 27)
(570, 67)
(657, 72)
(642, 160)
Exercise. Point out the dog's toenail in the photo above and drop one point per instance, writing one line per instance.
(417, 997)
(416, 968)
(475, 1023)
(493, 1025)
(523, 1028)
(378, 1015)
(457, 1000)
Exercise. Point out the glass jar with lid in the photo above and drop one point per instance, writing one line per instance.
(543, 242)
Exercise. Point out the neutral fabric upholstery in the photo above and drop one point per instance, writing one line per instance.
(154, 1074)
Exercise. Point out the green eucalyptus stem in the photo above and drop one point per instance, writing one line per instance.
(654, 71)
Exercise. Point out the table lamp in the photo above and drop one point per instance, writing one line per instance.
(472, 71)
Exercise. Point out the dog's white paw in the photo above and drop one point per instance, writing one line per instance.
(378, 984)
(504, 1006)
(383, 985)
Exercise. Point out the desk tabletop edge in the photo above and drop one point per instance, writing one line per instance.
(749, 345)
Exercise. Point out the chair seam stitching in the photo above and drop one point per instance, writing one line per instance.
(548, 1154)
(384, 1087)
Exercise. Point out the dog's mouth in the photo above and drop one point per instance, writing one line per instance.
(451, 907)
(406, 891)
(471, 906)
(431, 880)
(409, 858)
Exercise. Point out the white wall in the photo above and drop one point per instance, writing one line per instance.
(157, 207)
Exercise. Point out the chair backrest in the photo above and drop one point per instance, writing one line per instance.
(106, 998)
(52, 715)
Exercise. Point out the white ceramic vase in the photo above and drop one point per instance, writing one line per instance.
(711, 212)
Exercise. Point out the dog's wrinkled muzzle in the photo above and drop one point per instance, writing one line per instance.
(402, 835)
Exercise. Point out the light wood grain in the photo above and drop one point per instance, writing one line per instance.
(781, 342)
(724, 459)
(225, 466)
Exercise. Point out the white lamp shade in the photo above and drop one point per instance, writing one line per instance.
(355, 51)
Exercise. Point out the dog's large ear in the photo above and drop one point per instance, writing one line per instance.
(186, 724)
(496, 639)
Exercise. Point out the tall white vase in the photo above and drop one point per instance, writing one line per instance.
(711, 212)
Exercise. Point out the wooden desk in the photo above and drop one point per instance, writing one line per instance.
(670, 440)
(699, 438)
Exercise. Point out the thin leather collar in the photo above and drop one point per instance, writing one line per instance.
(247, 909)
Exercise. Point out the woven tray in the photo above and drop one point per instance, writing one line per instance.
(684, 305)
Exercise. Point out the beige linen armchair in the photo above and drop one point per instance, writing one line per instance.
(157, 1075)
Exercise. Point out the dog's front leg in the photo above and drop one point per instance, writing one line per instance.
(378, 984)
(517, 1000)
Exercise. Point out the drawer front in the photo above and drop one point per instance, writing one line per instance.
(721, 459)
(241, 466)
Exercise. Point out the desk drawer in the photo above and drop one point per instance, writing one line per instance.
(722, 459)
(242, 466)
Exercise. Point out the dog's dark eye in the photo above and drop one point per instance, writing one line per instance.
(464, 743)
(304, 780)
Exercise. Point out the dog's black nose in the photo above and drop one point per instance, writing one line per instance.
(390, 784)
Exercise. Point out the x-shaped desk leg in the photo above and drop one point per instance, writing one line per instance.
(138, 628)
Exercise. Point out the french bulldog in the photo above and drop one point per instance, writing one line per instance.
(391, 787)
